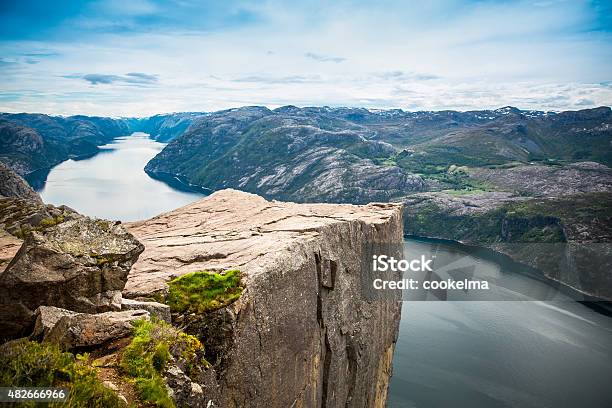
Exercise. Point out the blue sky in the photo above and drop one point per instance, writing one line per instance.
(141, 57)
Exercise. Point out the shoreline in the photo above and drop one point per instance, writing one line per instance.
(178, 182)
(599, 305)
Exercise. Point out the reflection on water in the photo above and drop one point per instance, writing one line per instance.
(500, 354)
(113, 184)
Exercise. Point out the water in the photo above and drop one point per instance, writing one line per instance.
(113, 184)
(449, 354)
(500, 353)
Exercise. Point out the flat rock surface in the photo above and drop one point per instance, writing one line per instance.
(232, 229)
(9, 245)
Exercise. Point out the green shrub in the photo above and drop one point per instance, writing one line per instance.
(154, 344)
(199, 292)
(31, 364)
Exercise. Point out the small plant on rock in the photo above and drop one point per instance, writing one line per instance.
(200, 292)
(154, 346)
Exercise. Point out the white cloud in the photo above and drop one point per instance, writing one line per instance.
(427, 55)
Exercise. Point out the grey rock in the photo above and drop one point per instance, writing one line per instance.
(549, 181)
(183, 391)
(110, 385)
(156, 309)
(19, 216)
(80, 265)
(87, 331)
(46, 318)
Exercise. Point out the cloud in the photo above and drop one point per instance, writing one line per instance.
(292, 79)
(403, 76)
(324, 58)
(94, 57)
(96, 79)
(7, 62)
(585, 102)
(41, 54)
(140, 77)
(106, 79)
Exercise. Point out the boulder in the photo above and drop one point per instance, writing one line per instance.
(46, 318)
(183, 391)
(156, 309)
(80, 264)
(87, 331)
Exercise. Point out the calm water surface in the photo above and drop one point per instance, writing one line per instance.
(449, 354)
(113, 184)
(500, 353)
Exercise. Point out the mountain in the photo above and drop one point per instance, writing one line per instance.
(31, 142)
(282, 155)
(517, 137)
(357, 155)
(165, 127)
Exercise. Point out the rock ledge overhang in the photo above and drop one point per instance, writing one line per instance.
(235, 229)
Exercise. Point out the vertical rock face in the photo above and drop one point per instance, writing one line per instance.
(302, 334)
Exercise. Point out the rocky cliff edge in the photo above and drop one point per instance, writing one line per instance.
(302, 334)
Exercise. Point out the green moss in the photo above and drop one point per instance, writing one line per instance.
(23, 231)
(155, 343)
(385, 161)
(31, 364)
(199, 292)
(158, 297)
(51, 222)
(104, 225)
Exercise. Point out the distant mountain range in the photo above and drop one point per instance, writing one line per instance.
(357, 155)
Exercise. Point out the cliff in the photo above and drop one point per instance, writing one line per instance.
(566, 237)
(302, 334)
(15, 195)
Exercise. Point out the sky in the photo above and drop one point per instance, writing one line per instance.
(144, 57)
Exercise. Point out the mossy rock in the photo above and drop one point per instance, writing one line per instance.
(201, 292)
(154, 345)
